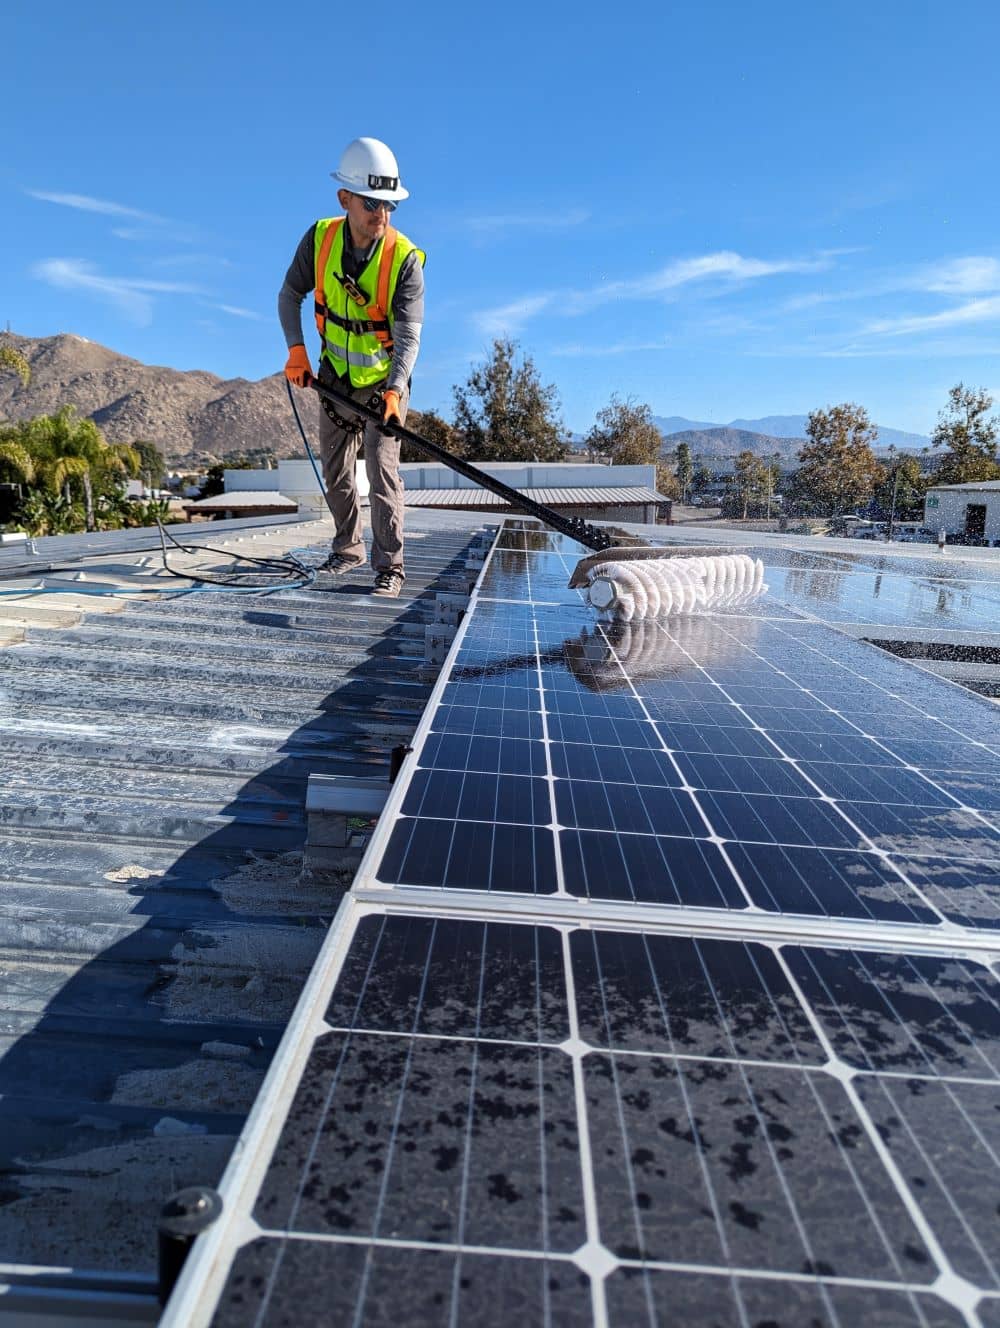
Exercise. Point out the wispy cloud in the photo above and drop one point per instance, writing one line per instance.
(972, 275)
(84, 203)
(960, 276)
(237, 312)
(581, 350)
(507, 318)
(975, 311)
(725, 267)
(133, 297)
(529, 221)
(190, 260)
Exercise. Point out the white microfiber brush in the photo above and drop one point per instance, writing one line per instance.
(630, 585)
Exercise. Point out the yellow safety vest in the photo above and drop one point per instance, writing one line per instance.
(357, 334)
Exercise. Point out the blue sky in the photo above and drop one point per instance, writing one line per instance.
(724, 210)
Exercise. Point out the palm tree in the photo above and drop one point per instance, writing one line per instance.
(68, 450)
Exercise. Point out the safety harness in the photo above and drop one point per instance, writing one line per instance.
(377, 321)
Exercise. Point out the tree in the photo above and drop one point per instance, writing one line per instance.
(504, 412)
(667, 482)
(65, 457)
(701, 478)
(16, 463)
(13, 359)
(968, 436)
(837, 467)
(900, 494)
(429, 424)
(752, 481)
(625, 434)
(71, 453)
(152, 464)
(685, 469)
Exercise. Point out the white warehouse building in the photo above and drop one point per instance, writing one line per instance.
(970, 510)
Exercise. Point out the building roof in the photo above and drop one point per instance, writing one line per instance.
(233, 500)
(155, 924)
(480, 498)
(992, 486)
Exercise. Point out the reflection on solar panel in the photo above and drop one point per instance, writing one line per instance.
(667, 995)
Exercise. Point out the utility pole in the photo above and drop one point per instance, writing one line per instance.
(892, 506)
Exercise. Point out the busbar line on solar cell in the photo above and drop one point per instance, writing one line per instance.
(594, 1253)
(549, 777)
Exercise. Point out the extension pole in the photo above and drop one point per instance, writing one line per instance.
(592, 537)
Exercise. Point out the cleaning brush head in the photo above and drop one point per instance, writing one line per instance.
(629, 588)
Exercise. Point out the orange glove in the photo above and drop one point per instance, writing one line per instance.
(298, 370)
(390, 407)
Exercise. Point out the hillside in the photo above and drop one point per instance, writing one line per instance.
(726, 442)
(192, 416)
(195, 418)
(783, 428)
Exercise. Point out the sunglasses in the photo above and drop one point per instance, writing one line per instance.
(373, 204)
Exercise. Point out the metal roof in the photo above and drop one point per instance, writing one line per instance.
(44, 551)
(237, 498)
(991, 486)
(482, 498)
(155, 922)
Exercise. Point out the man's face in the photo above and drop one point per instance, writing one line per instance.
(366, 227)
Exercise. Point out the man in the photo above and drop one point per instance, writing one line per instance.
(369, 289)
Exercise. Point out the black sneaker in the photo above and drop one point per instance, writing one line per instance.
(388, 584)
(338, 563)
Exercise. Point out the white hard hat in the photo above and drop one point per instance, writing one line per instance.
(368, 167)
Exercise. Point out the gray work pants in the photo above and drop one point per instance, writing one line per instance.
(338, 453)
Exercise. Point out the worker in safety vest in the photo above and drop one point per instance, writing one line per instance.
(369, 289)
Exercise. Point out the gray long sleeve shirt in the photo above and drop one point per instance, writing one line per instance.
(407, 302)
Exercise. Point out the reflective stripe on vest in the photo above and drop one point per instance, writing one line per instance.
(357, 337)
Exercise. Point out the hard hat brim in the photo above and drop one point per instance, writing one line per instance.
(387, 195)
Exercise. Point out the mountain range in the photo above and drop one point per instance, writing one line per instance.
(785, 432)
(192, 416)
(195, 417)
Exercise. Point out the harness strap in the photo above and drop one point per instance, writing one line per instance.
(378, 313)
(355, 325)
(381, 306)
(321, 261)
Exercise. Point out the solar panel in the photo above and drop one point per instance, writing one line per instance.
(801, 1126)
(666, 993)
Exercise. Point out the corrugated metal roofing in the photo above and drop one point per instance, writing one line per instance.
(480, 498)
(155, 923)
(237, 498)
(44, 550)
